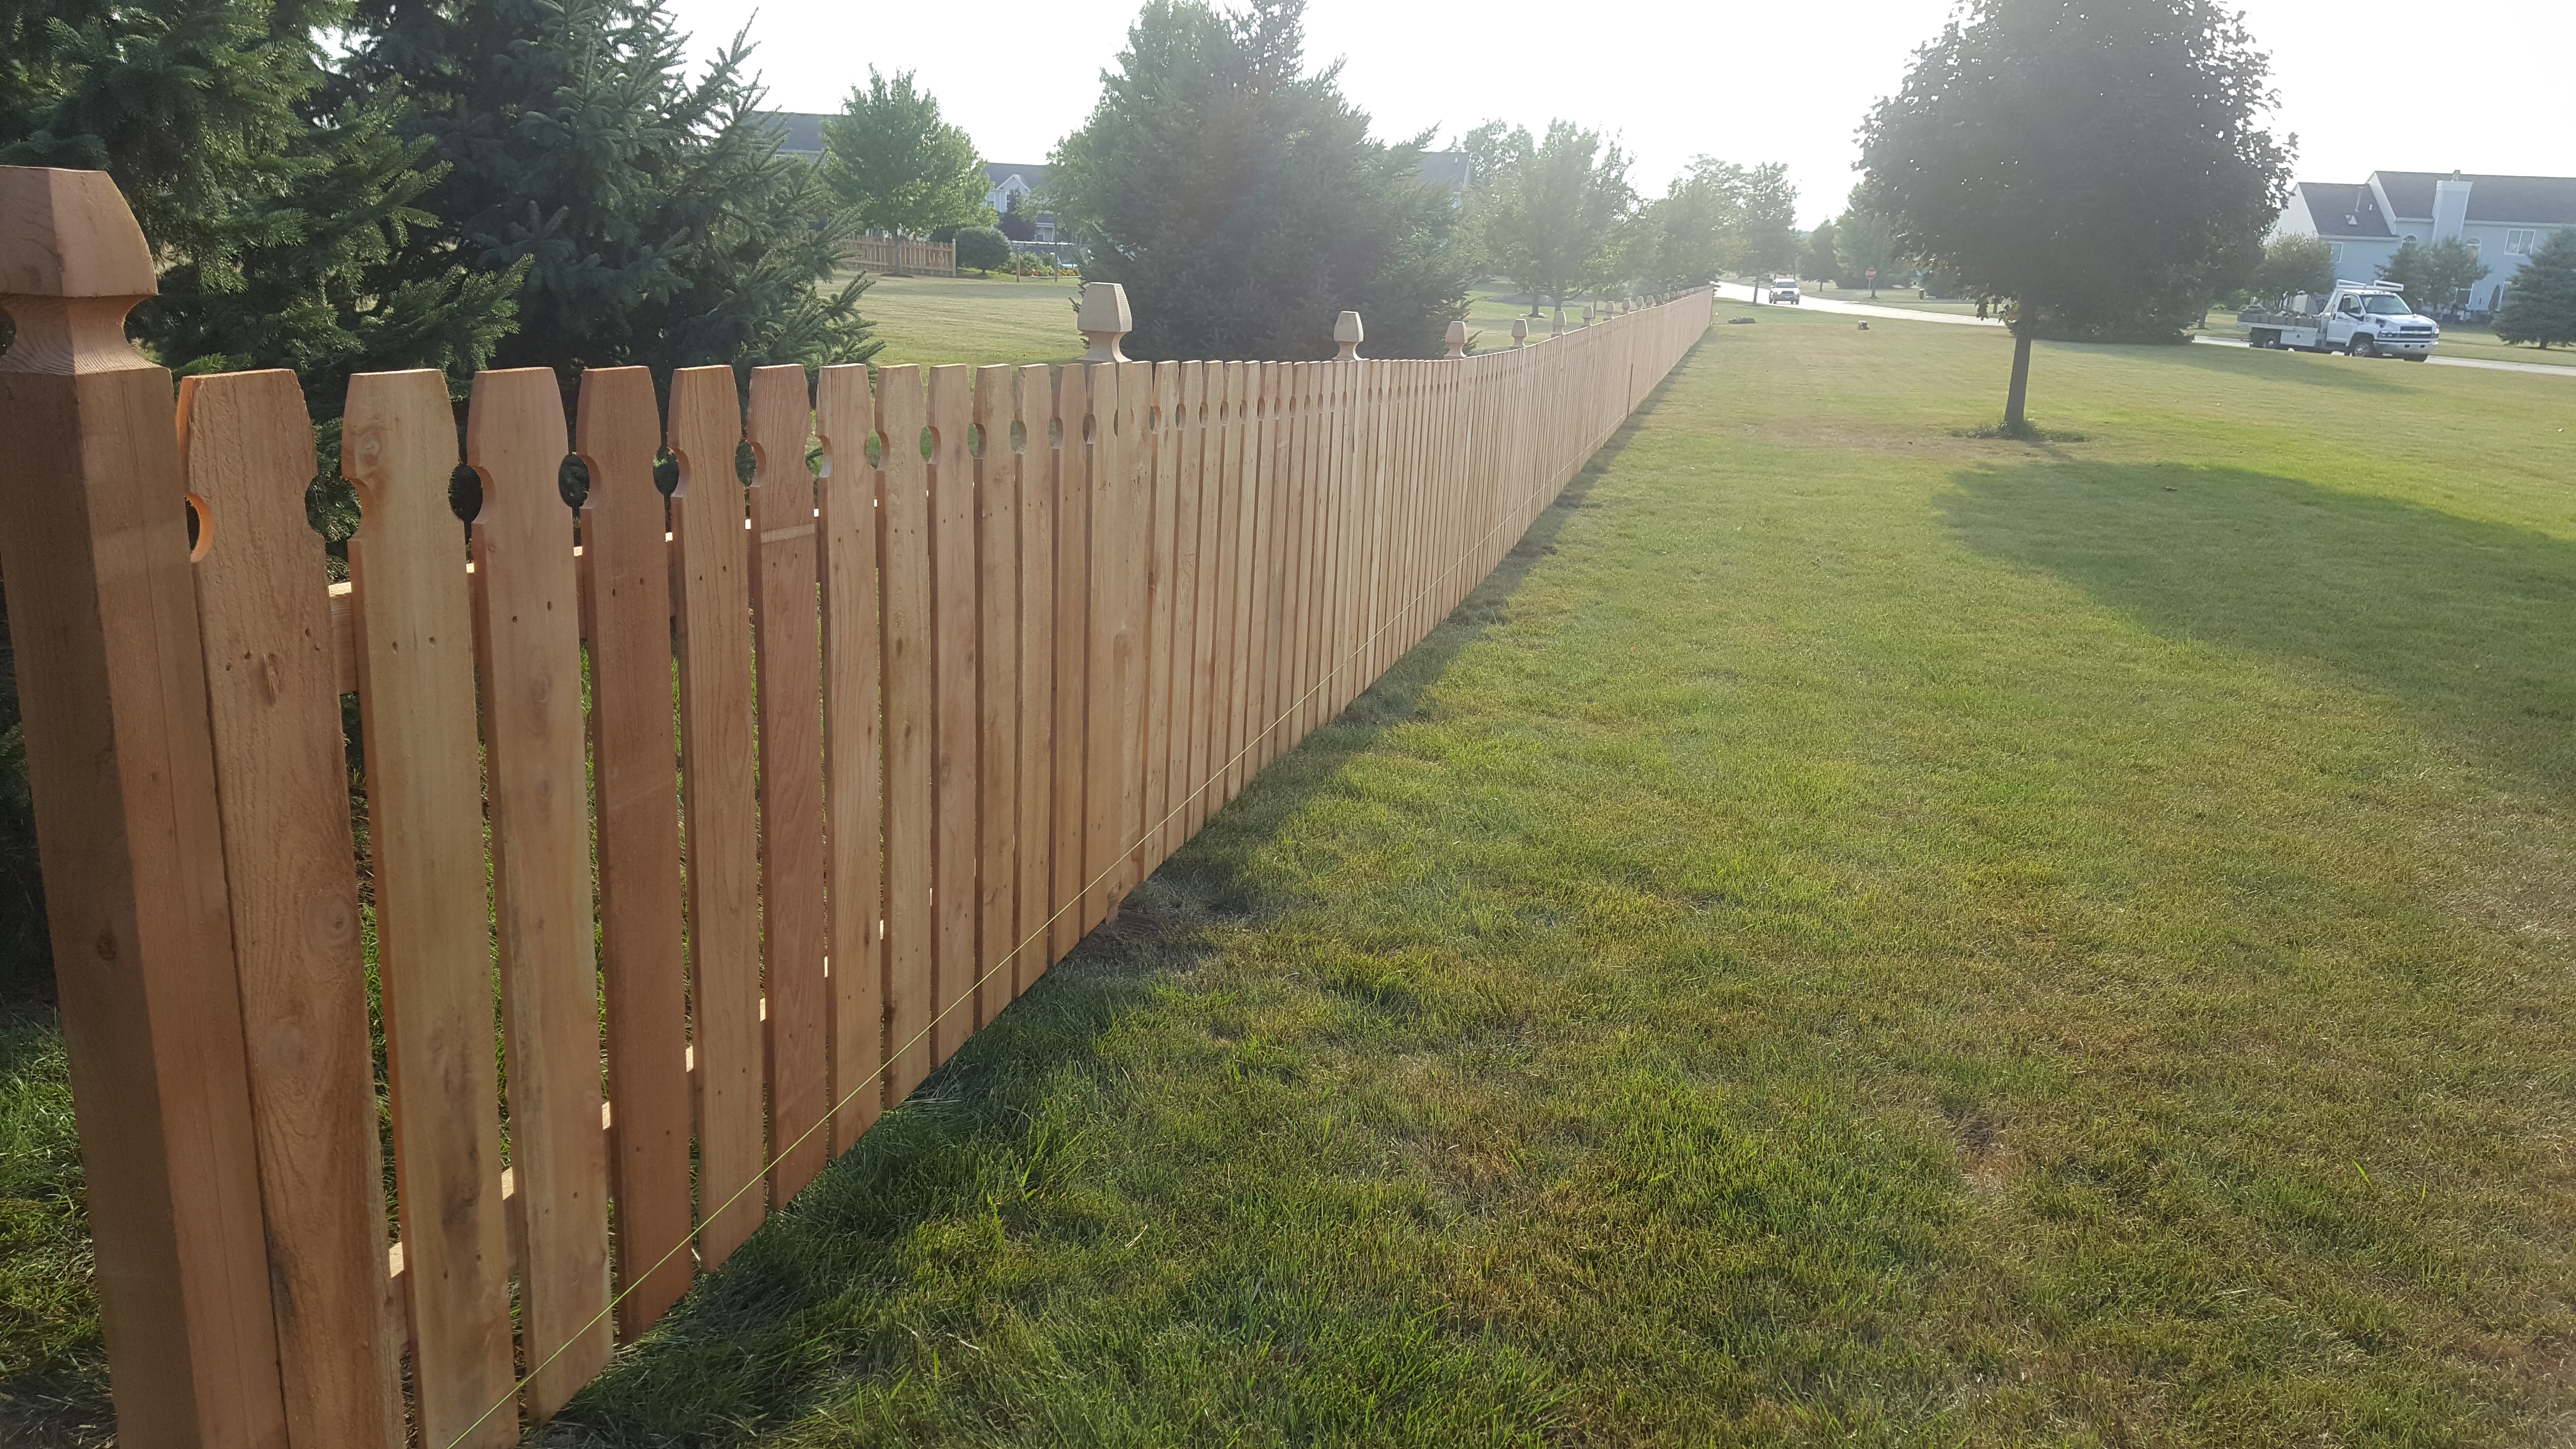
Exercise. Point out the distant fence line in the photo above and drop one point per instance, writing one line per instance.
(937, 711)
(902, 256)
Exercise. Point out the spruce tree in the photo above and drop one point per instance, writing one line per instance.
(657, 222)
(1241, 200)
(2540, 301)
(280, 215)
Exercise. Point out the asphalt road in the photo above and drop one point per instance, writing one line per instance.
(1736, 292)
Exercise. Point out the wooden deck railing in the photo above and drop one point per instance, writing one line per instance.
(937, 710)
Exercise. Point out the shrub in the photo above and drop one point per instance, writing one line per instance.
(983, 248)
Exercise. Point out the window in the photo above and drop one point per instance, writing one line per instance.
(2517, 243)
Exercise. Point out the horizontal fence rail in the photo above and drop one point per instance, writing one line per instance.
(766, 796)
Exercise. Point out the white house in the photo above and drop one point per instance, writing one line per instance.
(2502, 218)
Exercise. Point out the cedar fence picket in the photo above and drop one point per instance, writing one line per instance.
(938, 709)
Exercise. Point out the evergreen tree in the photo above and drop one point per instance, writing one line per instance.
(656, 221)
(276, 212)
(1242, 202)
(891, 159)
(2540, 303)
(281, 219)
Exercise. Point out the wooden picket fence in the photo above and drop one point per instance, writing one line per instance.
(902, 256)
(934, 710)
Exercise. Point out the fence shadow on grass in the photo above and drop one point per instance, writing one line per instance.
(756, 1345)
(2465, 625)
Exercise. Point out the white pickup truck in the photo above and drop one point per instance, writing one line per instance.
(2366, 319)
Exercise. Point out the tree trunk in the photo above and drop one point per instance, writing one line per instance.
(2015, 419)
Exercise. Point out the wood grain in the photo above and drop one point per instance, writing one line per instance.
(1076, 457)
(786, 628)
(634, 744)
(711, 578)
(528, 636)
(853, 749)
(291, 872)
(998, 572)
(1161, 435)
(416, 688)
(103, 616)
(1035, 410)
(956, 672)
(903, 504)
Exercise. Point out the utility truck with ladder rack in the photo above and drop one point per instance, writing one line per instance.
(2366, 319)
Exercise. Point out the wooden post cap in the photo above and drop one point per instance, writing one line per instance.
(68, 234)
(1520, 332)
(1458, 339)
(1347, 335)
(1104, 319)
(72, 264)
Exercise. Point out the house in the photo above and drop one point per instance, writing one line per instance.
(2502, 218)
(800, 133)
(1019, 179)
(1450, 169)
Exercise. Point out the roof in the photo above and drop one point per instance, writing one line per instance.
(2544, 200)
(1447, 168)
(2344, 209)
(800, 133)
(1001, 171)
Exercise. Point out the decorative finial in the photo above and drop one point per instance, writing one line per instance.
(1104, 319)
(1458, 339)
(1520, 332)
(1346, 332)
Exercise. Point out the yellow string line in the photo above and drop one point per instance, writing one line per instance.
(637, 1280)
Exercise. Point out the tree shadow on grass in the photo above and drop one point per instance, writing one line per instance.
(2385, 375)
(2467, 626)
(813, 1303)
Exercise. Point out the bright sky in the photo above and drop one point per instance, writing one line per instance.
(1674, 81)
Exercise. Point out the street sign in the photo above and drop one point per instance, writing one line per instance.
(1873, 274)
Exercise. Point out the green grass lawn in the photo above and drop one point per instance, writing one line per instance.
(1855, 935)
(976, 320)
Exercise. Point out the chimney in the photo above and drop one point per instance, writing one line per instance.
(2450, 207)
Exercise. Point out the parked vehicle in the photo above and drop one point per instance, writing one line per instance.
(1784, 291)
(2366, 319)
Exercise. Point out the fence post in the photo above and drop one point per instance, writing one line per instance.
(1104, 319)
(1458, 339)
(120, 754)
(1520, 332)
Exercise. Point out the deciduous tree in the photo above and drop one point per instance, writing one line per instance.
(897, 165)
(2291, 265)
(2436, 275)
(1549, 215)
(2092, 167)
